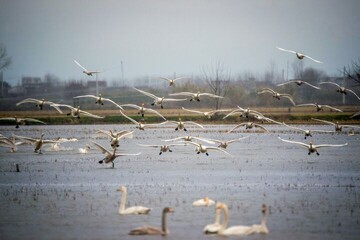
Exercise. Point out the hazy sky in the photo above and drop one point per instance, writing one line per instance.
(160, 37)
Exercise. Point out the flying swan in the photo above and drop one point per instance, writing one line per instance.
(299, 55)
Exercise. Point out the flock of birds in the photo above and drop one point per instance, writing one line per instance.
(111, 153)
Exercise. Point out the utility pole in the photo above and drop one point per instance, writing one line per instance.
(122, 74)
(97, 85)
(2, 84)
(344, 77)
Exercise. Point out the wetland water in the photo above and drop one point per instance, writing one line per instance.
(66, 195)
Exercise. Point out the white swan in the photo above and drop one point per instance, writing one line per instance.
(39, 103)
(181, 124)
(149, 230)
(195, 96)
(307, 132)
(100, 100)
(261, 228)
(318, 106)
(38, 143)
(84, 150)
(111, 155)
(115, 137)
(130, 210)
(158, 100)
(312, 147)
(208, 114)
(248, 125)
(338, 127)
(9, 143)
(172, 81)
(298, 82)
(299, 55)
(189, 139)
(59, 140)
(262, 118)
(213, 227)
(163, 148)
(277, 95)
(87, 72)
(225, 143)
(142, 126)
(245, 113)
(21, 121)
(234, 230)
(199, 148)
(355, 114)
(203, 202)
(143, 110)
(342, 89)
(76, 112)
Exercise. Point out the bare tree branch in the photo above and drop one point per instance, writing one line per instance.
(5, 60)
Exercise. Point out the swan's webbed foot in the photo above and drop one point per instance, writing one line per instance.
(185, 129)
(102, 103)
(113, 165)
(162, 106)
(160, 153)
(101, 161)
(96, 102)
(176, 129)
(317, 153)
(17, 126)
(207, 154)
(68, 114)
(170, 150)
(305, 137)
(152, 104)
(198, 100)
(191, 100)
(142, 115)
(309, 153)
(117, 145)
(78, 117)
(198, 152)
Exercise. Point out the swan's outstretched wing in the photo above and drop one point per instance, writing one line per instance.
(155, 124)
(355, 114)
(349, 90)
(324, 121)
(267, 90)
(7, 119)
(86, 96)
(111, 101)
(49, 141)
(125, 133)
(210, 95)
(63, 105)
(286, 50)
(294, 142)
(147, 145)
(33, 120)
(129, 118)
(194, 123)
(262, 127)
(107, 133)
(285, 83)
(305, 104)
(131, 105)
(293, 127)
(154, 111)
(237, 126)
(266, 119)
(190, 110)
(102, 149)
(322, 131)
(28, 100)
(25, 139)
(173, 100)
(147, 94)
(192, 143)
(237, 139)
(331, 83)
(182, 94)
(218, 149)
(168, 79)
(335, 109)
(77, 63)
(312, 59)
(311, 85)
(330, 145)
(288, 96)
(89, 114)
(127, 154)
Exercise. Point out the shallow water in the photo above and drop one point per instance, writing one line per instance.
(65, 194)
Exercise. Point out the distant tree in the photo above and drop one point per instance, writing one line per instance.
(298, 68)
(218, 80)
(5, 60)
(352, 71)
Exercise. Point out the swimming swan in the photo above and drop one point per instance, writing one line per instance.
(213, 227)
(299, 55)
(84, 150)
(158, 100)
(277, 95)
(203, 202)
(312, 147)
(111, 155)
(87, 72)
(130, 210)
(149, 230)
(234, 230)
(261, 228)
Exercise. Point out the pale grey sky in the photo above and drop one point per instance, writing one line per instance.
(160, 37)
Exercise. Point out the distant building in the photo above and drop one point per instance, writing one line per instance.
(33, 85)
(101, 84)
